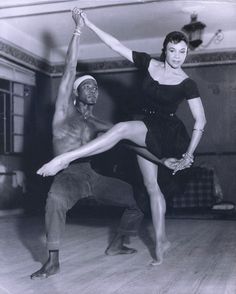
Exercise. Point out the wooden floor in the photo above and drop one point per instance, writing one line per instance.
(202, 259)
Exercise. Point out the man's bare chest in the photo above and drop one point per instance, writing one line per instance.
(74, 132)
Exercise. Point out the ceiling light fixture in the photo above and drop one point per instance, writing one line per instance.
(194, 30)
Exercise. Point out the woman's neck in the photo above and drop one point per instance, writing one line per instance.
(169, 75)
(168, 69)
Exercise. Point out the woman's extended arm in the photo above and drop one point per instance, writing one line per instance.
(198, 113)
(197, 110)
(109, 40)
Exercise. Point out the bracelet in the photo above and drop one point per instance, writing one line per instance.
(199, 130)
(188, 156)
(77, 32)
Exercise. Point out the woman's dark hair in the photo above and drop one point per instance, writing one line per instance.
(173, 37)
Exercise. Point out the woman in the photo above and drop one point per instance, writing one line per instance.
(161, 132)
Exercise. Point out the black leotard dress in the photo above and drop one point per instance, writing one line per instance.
(167, 135)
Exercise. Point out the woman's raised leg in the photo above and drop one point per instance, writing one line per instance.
(134, 131)
(149, 171)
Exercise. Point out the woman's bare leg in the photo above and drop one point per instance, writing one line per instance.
(134, 131)
(158, 206)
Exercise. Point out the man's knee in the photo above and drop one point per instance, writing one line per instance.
(137, 212)
(56, 203)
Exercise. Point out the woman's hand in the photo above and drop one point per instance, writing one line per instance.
(77, 17)
(84, 17)
(183, 163)
(53, 167)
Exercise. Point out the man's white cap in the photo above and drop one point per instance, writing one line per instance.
(78, 81)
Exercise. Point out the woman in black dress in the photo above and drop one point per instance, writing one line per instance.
(161, 132)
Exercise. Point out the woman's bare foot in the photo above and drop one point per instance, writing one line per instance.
(161, 249)
(52, 167)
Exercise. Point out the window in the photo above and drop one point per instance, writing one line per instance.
(18, 106)
(12, 116)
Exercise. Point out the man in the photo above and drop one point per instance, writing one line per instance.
(74, 125)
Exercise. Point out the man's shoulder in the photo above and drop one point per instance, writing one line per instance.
(102, 124)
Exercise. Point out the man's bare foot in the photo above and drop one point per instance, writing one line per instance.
(120, 250)
(161, 249)
(117, 247)
(48, 269)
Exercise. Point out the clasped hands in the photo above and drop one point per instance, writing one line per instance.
(77, 12)
(178, 164)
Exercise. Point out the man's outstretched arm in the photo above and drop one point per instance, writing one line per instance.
(168, 162)
(69, 74)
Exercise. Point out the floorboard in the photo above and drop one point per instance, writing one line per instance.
(202, 258)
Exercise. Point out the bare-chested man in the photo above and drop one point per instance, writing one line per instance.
(74, 125)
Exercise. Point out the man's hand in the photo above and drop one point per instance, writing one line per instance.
(171, 163)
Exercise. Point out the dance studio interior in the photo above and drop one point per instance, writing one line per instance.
(200, 218)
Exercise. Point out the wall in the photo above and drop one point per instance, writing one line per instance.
(38, 147)
(218, 89)
(218, 146)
